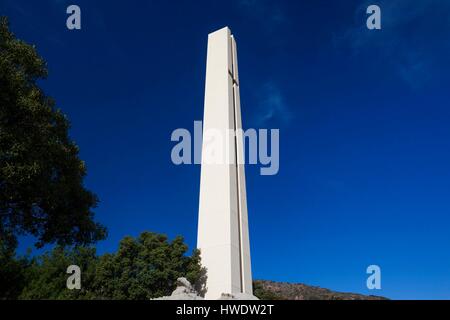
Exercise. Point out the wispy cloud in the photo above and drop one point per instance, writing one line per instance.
(272, 109)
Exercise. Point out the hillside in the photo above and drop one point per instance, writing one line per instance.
(272, 290)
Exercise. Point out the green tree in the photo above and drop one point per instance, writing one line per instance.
(41, 175)
(12, 271)
(46, 275)
(146, 267)
(142, 268)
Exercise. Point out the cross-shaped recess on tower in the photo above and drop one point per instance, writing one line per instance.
(233, 79)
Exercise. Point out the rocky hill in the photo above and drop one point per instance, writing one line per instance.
(271, 290)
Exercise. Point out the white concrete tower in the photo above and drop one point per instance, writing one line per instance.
(223, 225)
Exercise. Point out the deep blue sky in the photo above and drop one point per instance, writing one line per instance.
(363, 115)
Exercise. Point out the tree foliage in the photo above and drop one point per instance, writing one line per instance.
(41, 175)
(146, 267)
(46, 276)
(12, 271)
(142, 268)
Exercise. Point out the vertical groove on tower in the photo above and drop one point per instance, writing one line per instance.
(234, 84)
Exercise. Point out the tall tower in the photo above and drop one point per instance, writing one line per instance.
(223, 225)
